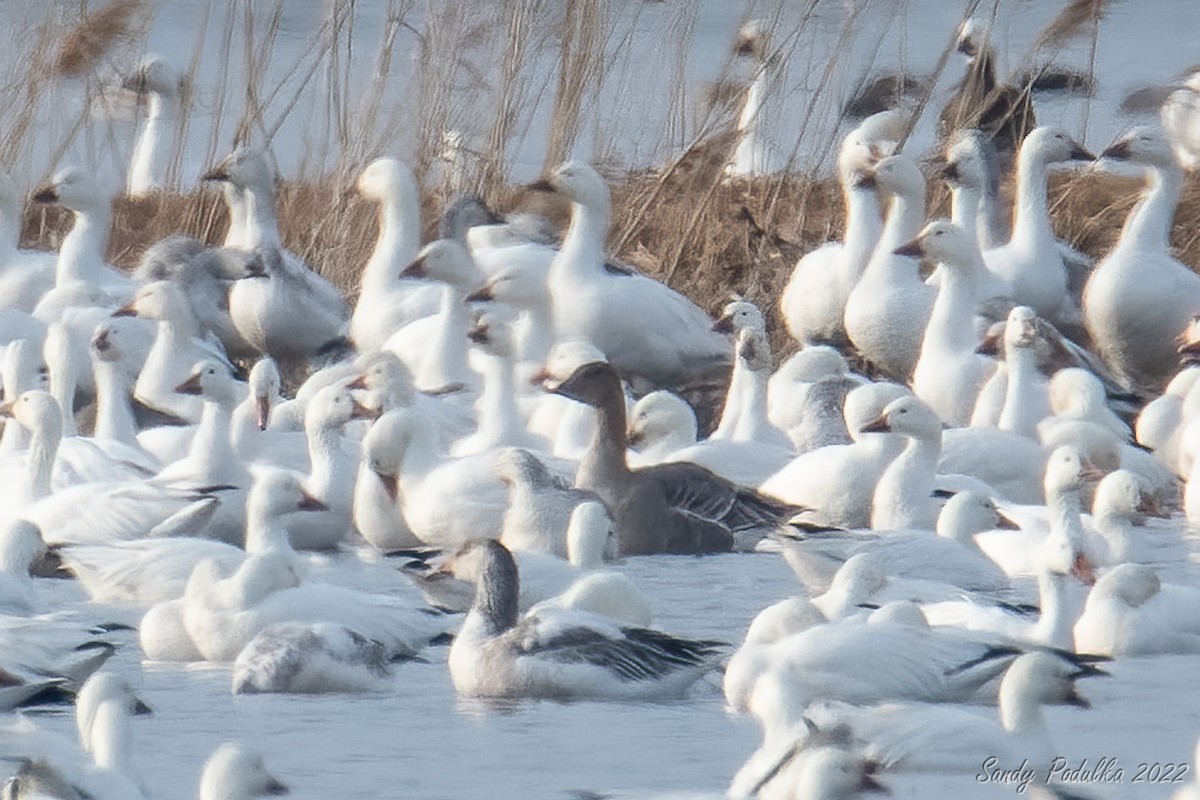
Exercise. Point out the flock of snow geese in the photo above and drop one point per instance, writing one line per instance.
(508, 414)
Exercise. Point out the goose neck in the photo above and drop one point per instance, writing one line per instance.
(864, 225)
(965, 202)
(1149, 226)
(582, 253)
(754, 420)
(499, 417)
(448, 352)
(1019, 414)
(212, 450)
(111, 738)
(262, 226)
(1031, 226)
(536, 334)
(603, 465)
(43, 447)
(1020, 712)
(497, 594)
(906, 215)
(324, 449)
(396, 246)
(951, 322)
(1054, 627)
(114, 414)
(82, 251)
(10, 232)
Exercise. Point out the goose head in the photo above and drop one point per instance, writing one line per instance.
(814, 362)
(478, 558)
(595, 384)
(1132, 584)
(578, 182)
(591, 535)
(1020, 330)
(21, 547)
(234, 772)
(864, 404)
(211, 380)
(971, 161)
(909, 416)
(1143, 146)
(855, 160)
(899, 175)
(971, 39)
(516, 465)
(1068, 471)
(35, 411)
(740, 315)
(944, 242)
(658, 416)
(520, 285)
(968, 513)
(1052, 145)
(385, 179)
(333, 407)
(163, 301)
(265, 385)
(752, 39)
(276, 492)
(153, 75)
(246, 168)
(385, 378)
(859, 578)
(754, 350)
(23, 368)
(782, 619)
(386, 444)
(115, 341)
(905, 613)
(1040, 678)
(75, 189)
(446, 261)
(492, 332)
(1123, 495)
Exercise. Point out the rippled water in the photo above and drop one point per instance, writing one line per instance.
(420, 741)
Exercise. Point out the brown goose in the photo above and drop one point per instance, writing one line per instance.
(666, 508)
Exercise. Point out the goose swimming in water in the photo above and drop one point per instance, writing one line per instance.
(666, 508)
(559, 655)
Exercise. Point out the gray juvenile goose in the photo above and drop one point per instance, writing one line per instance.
(666, 508)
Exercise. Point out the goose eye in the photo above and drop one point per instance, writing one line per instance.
(212, 371)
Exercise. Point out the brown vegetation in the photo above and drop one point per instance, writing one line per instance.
(703, 236)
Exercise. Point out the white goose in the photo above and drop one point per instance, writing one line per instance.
(1009, 459)
(444, 501)
(838, 482)
(435, 348)
(21, 545)
(1140, 297)
(952, 556)
(288, 311)
(949, 373)
(937, 738)
(559, 655)
(814, 300)
(177, 347)
(81, 255)
(156, 141)
(750, 156)
(234, 772)
(655, 337)
(101, 765)
(23, 370)
(887, 312)
(1032, 265)
(903, 496)
(1158, 425)
(1129, 612)
(500, 421)
(385, 304)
